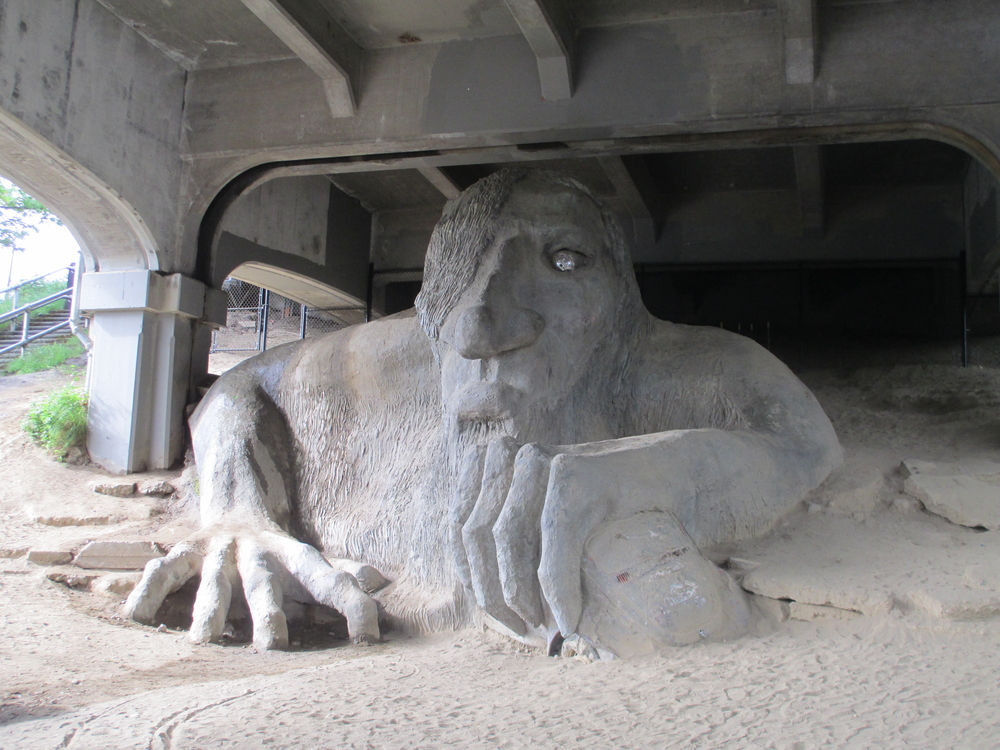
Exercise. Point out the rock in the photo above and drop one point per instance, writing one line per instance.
(115, 584)
(9, 553)
(72, 577)
(115, 489)
(774, 610)
(369, 579)
(912, 467)
(956, 603)
(156, 488)
(849, 491)
(49, 557)
(741, 564)
(905, 504)
(819, 587)
(980, 468)
(646, 585)
(76, 456)
(960, 499)
(810, 612)
(74, 520)
(982, 577)
(117, 555)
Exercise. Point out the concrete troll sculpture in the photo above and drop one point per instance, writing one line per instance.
(530, 448)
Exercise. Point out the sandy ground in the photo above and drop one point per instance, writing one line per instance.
(907, 674)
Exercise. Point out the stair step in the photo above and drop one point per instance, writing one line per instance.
(59, 335)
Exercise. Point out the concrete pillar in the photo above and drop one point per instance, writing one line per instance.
(144, 329)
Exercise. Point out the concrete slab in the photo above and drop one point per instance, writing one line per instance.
(115, 489)
(828, 588)
(849, 491)
(84, 508)
(980, 468)
(982, 577)
(912, 562)
(75, 519)
(70, 576)
(956, 604)
(117, 555)
(115, 584)
(49, 556)
(155, 488)
(961, 499)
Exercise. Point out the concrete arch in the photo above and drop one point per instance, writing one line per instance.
(218, 251)
(295, 286)
(112, 234)
(240, 176)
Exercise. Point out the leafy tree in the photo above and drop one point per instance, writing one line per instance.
(20, 216)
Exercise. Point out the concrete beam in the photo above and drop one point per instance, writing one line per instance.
(635, 188)
(319, 42)
(441, 181)
(297, 287)
(547, 28)
(799, 31)
(809, 182)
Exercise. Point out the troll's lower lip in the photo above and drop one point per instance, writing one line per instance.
(484, 400)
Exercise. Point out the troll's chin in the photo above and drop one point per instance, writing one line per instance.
(485, 401)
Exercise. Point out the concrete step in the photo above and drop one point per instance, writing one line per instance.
(59, 335)
(35, 325)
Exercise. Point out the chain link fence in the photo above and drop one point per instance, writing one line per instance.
(258, 319)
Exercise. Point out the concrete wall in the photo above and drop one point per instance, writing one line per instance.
(95, 89)
(873, 223)
(348, 244)
(982, 226)
(300, 224)
(400, 237)
(288, 215)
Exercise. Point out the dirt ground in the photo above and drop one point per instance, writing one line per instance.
(905, 674)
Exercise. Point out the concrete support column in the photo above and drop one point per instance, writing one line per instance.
(144, 329)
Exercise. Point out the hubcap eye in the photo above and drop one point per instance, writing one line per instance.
(565, 260)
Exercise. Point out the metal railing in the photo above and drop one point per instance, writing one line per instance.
(258, 319)
(24, 313)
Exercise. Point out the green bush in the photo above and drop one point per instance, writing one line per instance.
(40, 357)
(59, 421)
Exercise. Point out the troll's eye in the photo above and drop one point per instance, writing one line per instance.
(567, 260)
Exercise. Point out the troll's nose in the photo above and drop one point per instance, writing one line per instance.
(482, 331)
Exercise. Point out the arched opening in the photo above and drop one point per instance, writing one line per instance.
(144, 324)
(269, 306)
(111, 234)
(34, 241)
(39, 263)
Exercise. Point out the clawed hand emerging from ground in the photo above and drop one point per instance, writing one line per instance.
(269, 565)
